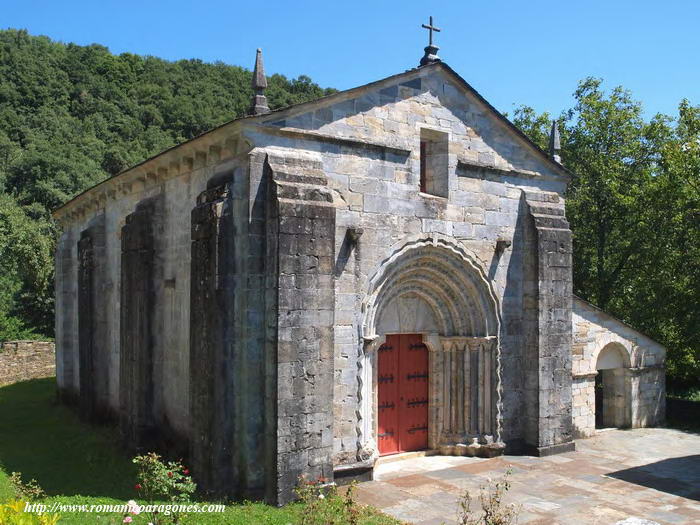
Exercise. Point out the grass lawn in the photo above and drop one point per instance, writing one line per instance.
(80, 464)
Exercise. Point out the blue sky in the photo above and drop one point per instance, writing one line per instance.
(531, 52)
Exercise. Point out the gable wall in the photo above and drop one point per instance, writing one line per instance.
(377, 190)
(392, 113)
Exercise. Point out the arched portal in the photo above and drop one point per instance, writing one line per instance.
(438, 273)
(434, 288)
(612, 407)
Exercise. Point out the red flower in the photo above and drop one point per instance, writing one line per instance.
(186, 472)
(170, 474)
(137, 486)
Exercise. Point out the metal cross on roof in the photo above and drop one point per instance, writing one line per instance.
(430, 27)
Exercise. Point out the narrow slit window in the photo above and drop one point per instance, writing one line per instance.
(434, 163)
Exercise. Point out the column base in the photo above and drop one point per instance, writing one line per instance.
(488, 450)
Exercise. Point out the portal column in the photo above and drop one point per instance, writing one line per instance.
(468, 389)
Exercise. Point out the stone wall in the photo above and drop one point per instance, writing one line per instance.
(301, 232)
(178, 185)
(24, 360)
(140, 238)
(553, 251)
(93, 355)
(213, 377)
(639, 380)
(66, 290)
(583, 404)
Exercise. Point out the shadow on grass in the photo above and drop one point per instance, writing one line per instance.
(46, 441)
(679, 476)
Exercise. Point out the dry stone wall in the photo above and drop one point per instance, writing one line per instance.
(25, 360)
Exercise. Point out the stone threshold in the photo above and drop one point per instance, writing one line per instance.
(401, 456)
(606, 429)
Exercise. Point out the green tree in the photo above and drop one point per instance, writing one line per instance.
(674, 276)
(633, 208)
(612, 153)
(26, 273)
(536, 127)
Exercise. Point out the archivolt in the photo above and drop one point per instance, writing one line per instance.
(446, 276)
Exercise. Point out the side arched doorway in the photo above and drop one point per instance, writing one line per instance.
(430, 357)
(612, 403)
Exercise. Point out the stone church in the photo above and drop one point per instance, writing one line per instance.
(302, 291)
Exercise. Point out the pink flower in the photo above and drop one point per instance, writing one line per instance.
(133, 507)
(186, 472)
(127, 520)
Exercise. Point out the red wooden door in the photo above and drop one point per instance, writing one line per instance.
(403, 394)
(413, 397)
(388, 396)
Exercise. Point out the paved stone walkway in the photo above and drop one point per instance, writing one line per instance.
(651, 474)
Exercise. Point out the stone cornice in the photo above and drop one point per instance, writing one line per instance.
(631, 370)
(464, 165)
(642, 369)
(305, 134)
(587, 375)
(206, 150)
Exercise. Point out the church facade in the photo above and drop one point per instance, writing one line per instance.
(299, 292)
